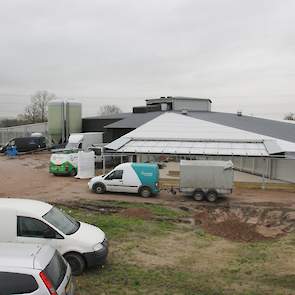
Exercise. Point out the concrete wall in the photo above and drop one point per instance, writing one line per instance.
(191, 105)
(20, 131)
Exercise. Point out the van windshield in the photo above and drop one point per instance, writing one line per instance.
(62, 221)
(72, 145)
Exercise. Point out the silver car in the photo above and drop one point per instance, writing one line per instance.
(33, 269)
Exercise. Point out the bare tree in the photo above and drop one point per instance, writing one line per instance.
(109, 109)
(290, 117)
(36, 111)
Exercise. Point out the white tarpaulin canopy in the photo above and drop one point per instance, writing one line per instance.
(194, 148)
(173, 133)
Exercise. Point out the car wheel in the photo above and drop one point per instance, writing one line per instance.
(145, 192)
(198, 196)
(212, 196)
(73, 172)
(99, 188)
(76, 262)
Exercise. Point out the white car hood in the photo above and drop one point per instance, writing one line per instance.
(89, 234)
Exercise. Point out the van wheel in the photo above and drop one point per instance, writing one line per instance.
(212, 196)
(99, 188)
(145, 192)
(198, 195)
(76, 262)
(73, 172)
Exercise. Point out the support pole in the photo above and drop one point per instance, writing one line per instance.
(263, 174)
(103, 162)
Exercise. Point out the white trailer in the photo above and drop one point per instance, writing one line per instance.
(206, 179)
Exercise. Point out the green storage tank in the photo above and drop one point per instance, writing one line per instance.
(73, 117)
(56, 119)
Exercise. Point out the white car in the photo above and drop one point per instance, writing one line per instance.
(33, 269)
(29, 221)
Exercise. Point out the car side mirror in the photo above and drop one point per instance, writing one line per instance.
(49, 234)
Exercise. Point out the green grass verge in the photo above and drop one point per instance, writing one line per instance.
(197, 262)
(116, 226)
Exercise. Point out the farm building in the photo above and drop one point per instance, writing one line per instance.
(187, 128)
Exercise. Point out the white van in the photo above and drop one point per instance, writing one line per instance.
(33, 269)
(29, 221)
(141, 178)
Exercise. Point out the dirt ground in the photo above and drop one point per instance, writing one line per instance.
(27, 176)
(238, 244)
(246, 215)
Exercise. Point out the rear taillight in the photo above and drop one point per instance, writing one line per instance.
(47, 283)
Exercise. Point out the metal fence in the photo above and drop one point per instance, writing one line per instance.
(8, 133)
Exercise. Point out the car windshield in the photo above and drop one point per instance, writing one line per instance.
(62, 221)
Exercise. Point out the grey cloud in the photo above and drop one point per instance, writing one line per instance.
(126, 51)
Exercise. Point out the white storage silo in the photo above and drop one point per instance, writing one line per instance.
(56, 121)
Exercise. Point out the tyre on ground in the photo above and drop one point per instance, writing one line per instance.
(212, 196)
(76, 262)
(99, 188)
(145, 192)
(73, 172)
(198, 195)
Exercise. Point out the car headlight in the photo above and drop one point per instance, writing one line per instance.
(97, 247)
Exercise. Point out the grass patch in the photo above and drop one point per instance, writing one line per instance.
(131, 279)
(118, 227)
(161, 257)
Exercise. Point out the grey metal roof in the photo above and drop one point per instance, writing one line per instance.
(111, 116)
(134, 120)
(171, 98)
(272, 128)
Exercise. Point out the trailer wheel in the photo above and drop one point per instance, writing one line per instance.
(198, 195)
(99, 188)
(145, 192)
(212, 196)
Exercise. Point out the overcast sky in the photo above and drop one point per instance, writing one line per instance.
(239, 53)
